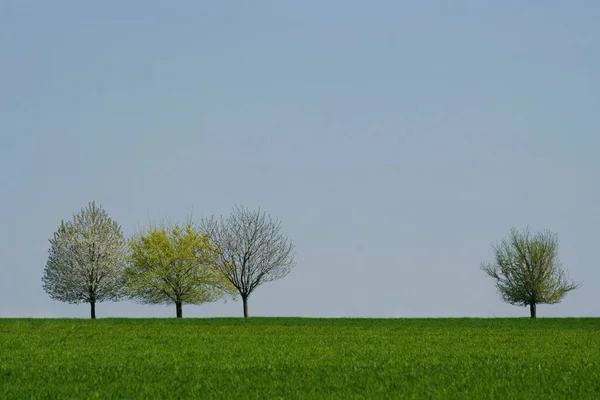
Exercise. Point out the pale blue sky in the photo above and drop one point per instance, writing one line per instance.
(395, 141)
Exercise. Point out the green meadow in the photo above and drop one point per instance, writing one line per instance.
(300, 358)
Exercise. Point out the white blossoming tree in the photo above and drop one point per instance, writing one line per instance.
(86, 260)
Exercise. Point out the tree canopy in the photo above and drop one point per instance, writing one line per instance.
(174, 264)
(527, 270)
(251, 249)
(86, 260)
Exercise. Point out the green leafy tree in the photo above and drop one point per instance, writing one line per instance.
(174, 264)
(86, 260)
(527, 270)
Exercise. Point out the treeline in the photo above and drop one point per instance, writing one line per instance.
(91, 261)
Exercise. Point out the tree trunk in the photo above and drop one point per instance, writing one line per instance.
(93, 309)
(179, 309)
(532, 310)
(245, 300)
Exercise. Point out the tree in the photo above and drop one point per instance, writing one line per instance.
(527, 270)
(251, 249)
(86, 260)
(174, 264)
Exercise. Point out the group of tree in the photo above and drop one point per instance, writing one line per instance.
(91, 261)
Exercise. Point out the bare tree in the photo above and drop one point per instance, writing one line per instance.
(527, 270)
(251, 249)
(86, 260)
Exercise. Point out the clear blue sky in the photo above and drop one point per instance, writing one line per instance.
(395, 141)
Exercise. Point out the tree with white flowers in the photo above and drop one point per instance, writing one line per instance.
(87, 260)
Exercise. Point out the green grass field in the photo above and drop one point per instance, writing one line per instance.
(300, 358)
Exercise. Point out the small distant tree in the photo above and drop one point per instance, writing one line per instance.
(174, 264)
(527, 270)
(86, 260)
(251, 250)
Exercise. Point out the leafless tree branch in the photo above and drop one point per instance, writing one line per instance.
(251, 249)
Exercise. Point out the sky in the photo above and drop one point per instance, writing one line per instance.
(395, 141)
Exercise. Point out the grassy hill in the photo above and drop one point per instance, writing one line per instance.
(300, 358)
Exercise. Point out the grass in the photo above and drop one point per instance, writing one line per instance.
(300, 358)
